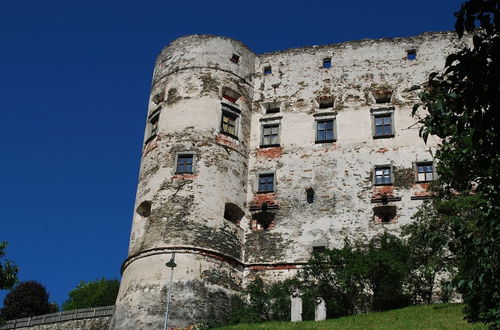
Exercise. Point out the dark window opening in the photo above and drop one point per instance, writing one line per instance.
(266, 182)
(272, 107)
(384, 214)
(270, 135)
(319, 249)
(235, 58)
(144, 209)
(310, 195)
(233, 213)
(325, 102)
(382, 97)
(425, 172)
(157, 98)
(411, 54)
(268, 70)
(383, 125)
(185, 163)
(327, 63)
(324, 131)
(230, 95)
(263, 221)
(383, 176)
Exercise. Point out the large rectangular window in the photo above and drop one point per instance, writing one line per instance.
(270, 135)
(425, 172)
(184, 163)
(325, 131)
(382, 175)
(266, 182)
(383, 125)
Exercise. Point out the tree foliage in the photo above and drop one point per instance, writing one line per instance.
(463, 110)
(28, 298)
(8, 270)
(96, 293)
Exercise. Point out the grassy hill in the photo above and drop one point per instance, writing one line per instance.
(437, 316)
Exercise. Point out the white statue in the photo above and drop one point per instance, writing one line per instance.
(296, 306)
(320, 310)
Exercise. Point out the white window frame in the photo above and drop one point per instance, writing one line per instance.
(184, 153)
(230, 110)
(391, 173)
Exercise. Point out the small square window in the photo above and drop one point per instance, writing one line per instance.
(411, 54)
(266, 182)
(384, 214)
(272, 107)
(229, 123)
(382, 175)
(230, 95)
(235, 58)
(267, 70)
(319, 248)
(184, 163)
(324, 131)
(327, 63)
(425, 172)
(270, 135)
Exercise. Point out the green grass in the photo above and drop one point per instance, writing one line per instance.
(436, 316)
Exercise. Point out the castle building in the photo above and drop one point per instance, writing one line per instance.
(252, 162)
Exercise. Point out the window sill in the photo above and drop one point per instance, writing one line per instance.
(264, 192)
(428, 181)
(269, 145)
(383, 184)
(325, 141)
(229, 134)
(383, 136)
(181, 173)
(149, 139)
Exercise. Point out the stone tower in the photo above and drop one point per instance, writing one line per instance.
(193, 178)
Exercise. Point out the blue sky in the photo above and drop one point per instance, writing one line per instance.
(74, 84)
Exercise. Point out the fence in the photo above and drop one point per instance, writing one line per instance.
(76, 314)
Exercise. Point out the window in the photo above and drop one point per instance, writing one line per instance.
(144, 209)
(324, 131)
(235, 58)
(318, 248)
(327, 63)
(266, 182)
(230, 95)
(383, 122)
(270, 135)
(384, 214)
(268, 70)
(184, 163)
(425, 172)
(233, 213)
(411, 54)
(310, 195)
(325, 102)
(229, 121)
(272, 107)
(152, 127)
(382, 175)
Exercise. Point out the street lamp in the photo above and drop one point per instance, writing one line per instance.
(171, 264)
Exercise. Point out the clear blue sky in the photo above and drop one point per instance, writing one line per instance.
(74, 85)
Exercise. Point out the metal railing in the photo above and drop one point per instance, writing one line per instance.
(77, 314)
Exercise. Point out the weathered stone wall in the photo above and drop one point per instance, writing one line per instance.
(185, 213)
(94, 323)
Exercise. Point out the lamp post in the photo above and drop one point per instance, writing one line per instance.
(171, 264)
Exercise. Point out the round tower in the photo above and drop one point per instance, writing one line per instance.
(192, 186)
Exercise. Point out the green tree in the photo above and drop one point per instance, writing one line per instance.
(8, 270)
(429, 238)
(96, 293)
(462, 106)
(27, 299)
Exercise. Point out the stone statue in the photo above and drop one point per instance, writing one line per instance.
(320, 310)
(296, 306)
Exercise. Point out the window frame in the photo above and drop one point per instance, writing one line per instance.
(230, 111)
(381, 167)
(411, 54)
(384, 112)
(327, 63)
(267, 70)
(184, 154)
(334, 130)
(266, 174)
(153, 125)
(416, 165)
(263, 136)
